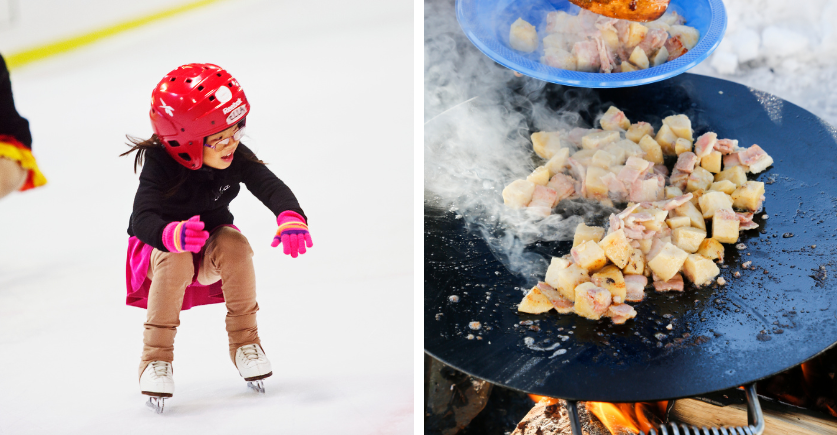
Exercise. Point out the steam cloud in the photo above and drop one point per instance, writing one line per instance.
(478, 120)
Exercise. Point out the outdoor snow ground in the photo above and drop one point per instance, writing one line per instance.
(331, 90)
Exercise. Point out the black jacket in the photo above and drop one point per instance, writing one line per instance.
(11, 123)
(206, 192)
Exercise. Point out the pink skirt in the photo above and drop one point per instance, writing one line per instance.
(136, 272)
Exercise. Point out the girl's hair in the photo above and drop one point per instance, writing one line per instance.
(141, 145)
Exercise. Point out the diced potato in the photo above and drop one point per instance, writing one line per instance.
(689, 36)
(645, 246)
(591, 301)
(652, 149)
(567, 280)
(696, 194)
(610, 38)
(636, 264)
(712, 162)
(700, 270)
(725, 186)
(518, 194)
(748, 196)
(614, 120)
(546, 143)
(725, 226)
(596, 139)
(711, 249)
(559, 302)
(680, 125)
(688, 209)
(584, 233)
(637, 130)
(682, 146)
(584, 156)
(596, 188)
(558, 162)
(617, 151)
(668, 261)
(589, 255)
(635, 34)
(556, 41)
(688, 238)
(534, 302)
(736, 174)
(666, 138)
(713, 201)
(679, 221)
(603, 159)
(639, 58)
(555, 266)
(700, 179)
(660, 57)
(617, 248)
(586, 56)
(673, 192)
(539, 176)
(657, 24)
(558, 58)
(523, 36)
(659, 220)
(610, 278)
(627, 67)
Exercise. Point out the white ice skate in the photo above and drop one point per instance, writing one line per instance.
(253, 365)
(157, 381)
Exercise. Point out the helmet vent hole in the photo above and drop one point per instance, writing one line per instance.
(229, 84)
(200, 88)
(212, 98)
(218, 74)
(174, 143)
(182, 129)
(185, 156)
(188, 80)
(173, 79)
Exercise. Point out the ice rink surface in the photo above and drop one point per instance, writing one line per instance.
(331, 89)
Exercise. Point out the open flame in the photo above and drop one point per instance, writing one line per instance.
(621, 418)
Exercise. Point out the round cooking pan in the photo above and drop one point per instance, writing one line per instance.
(773, 317)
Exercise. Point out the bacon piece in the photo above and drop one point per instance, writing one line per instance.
(675, 48)
(606, 61)
(731, 160)
(579, 172)
(561, 304)
(626, 212)
(686, 162)
(726, 214)
(563, 186)
(653, 40)
(649, 189)
(675, 283)
(635, 287)
(751, 155)
(705, 144)
(726, 146)
(620, 313)
(675, 202)
(679, 179)
(597, 298)
(656, 246)
(543, 199)
(661, 169)
(745, 221)
(615, 188)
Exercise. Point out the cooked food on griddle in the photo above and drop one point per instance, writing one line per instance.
(589, 42)
(662, 232)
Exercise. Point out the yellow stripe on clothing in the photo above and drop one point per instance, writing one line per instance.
(27, 161)
(22, 58)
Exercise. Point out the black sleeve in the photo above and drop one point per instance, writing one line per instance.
(267, 187)
(11, 123)
(147, 220)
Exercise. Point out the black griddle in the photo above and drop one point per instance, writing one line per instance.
(773, 317)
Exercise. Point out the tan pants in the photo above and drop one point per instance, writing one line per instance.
(227, 257)
(12, 176)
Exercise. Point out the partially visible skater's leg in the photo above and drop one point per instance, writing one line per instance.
(12, 176)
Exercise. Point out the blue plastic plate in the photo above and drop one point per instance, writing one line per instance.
(487, 23)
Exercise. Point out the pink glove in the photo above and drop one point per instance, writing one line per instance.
(292, 233)
(185, 236)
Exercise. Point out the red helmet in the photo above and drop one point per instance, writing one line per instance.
(192, 102)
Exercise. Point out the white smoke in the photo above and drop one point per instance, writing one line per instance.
(478, 120)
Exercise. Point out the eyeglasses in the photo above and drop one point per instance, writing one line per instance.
(224, 142)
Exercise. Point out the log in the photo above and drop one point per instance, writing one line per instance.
(779, 420)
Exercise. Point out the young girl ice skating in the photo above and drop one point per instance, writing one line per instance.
(184, 249)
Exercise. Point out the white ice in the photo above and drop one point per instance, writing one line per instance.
(788, 49)
(331, 88)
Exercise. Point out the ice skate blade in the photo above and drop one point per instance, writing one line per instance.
(157, 403)
(257, 386)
